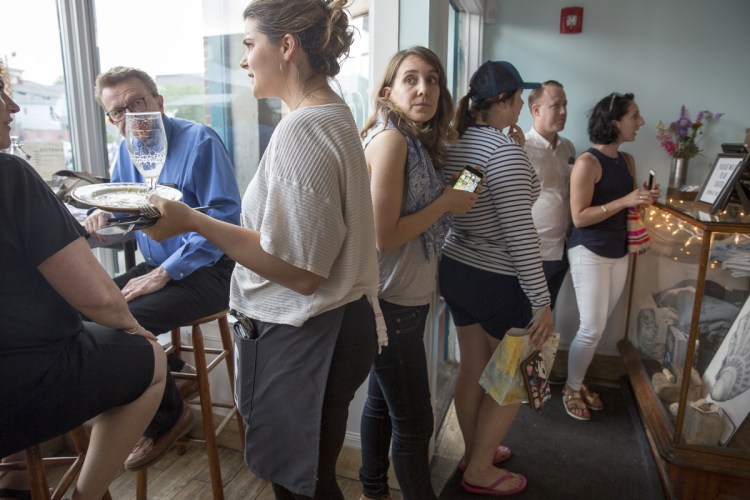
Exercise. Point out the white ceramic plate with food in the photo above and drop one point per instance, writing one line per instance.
(122, 197)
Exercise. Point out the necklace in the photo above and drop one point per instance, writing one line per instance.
(305, 96)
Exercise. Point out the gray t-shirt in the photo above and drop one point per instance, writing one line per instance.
(408, 276)
(310, 200)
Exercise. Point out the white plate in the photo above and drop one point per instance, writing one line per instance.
(121, 196)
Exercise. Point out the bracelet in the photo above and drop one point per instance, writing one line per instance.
(604, 209)
(134, 330)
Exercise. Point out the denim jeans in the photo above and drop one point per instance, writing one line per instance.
(398, 410)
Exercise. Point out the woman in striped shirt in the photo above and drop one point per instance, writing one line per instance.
(491, 272)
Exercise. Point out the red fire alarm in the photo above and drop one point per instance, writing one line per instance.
(571, 20)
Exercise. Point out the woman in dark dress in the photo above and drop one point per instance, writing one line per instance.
(57, 371)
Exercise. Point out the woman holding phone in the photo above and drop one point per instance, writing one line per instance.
(602, 187)
(491, 272)
(404, 142)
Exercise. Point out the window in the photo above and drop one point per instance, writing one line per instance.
(41, 130)
(195, 63)
(194, 60)
(465, 30)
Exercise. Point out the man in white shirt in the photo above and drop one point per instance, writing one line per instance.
(552, 157)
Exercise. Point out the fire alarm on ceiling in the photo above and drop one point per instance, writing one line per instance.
(571, 20)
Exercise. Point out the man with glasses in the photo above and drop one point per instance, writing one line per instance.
(183, 278)
(552, 156)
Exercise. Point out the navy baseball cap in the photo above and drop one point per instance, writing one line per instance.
(494, 77)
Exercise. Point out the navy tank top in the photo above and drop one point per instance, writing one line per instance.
(607, 238)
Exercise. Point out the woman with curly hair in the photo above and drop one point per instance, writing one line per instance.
(602, 187)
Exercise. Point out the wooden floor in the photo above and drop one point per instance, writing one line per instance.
(187, 477)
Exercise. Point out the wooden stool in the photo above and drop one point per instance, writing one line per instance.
(226, 353)
(35, 466)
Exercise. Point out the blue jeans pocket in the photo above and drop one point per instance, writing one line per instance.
(405, 321)
(245, 362)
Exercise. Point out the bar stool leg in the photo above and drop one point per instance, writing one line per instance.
(177, 351)
(202, 368)
(37, 478)
(80, 439)
(207, 413)
(141, 484)
(35, 465)
(226, 342)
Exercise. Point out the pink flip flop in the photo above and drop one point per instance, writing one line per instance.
(502, 454)
(478, 490)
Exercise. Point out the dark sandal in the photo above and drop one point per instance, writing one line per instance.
(593, 402)
(574, 402)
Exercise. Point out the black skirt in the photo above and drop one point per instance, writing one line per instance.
(49, 390)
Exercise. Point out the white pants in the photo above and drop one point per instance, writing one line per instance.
(598, 282)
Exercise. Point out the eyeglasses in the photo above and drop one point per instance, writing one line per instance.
(135, 106)
(612, 100)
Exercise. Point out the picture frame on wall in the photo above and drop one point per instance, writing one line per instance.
(722, 181)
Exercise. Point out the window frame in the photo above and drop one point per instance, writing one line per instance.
(80, 66)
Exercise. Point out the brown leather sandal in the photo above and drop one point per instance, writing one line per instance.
(574, 402)
(593, 402)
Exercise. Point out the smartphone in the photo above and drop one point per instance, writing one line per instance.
(651, 175)
(469, 179)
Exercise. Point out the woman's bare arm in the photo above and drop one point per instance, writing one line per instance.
(80, 279)
(239, 243)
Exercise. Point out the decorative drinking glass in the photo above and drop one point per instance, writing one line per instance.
(147, 144)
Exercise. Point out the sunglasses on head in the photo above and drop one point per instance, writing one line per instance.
(612, 99)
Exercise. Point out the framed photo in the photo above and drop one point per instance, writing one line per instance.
(721, 180)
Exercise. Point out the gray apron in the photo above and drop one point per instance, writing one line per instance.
(280, 381)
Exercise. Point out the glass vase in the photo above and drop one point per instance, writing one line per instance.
(678, 172)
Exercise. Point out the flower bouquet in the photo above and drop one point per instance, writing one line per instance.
(680, 139)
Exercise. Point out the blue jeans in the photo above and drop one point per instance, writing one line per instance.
(398, 410)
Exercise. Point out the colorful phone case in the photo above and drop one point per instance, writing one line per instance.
(535, 380)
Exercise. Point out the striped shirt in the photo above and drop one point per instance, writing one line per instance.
(498, 233)
(310, 200)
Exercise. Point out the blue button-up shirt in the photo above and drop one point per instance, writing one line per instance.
(199, 166)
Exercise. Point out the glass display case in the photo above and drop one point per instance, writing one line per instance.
(687, 347)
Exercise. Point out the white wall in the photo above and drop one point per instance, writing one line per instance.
(666, 52)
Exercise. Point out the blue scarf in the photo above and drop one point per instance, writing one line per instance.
(423, 185)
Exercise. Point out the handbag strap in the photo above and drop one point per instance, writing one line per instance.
(81, 175)
(630, 162)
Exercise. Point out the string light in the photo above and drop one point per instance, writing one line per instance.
(682, 237)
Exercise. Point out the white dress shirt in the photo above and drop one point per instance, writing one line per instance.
(551, 212)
